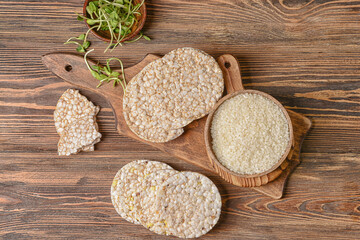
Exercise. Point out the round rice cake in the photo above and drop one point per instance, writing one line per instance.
(126, 183)
(145, 196)
(187, 205)
(155, 133)
(171, 92)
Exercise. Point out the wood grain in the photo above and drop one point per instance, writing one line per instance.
(304, 53)
(192, 146)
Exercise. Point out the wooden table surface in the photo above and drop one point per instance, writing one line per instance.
(304, 53)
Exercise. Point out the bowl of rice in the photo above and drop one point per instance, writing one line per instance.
(248, 134)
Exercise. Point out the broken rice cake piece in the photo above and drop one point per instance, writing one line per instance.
(75, 122)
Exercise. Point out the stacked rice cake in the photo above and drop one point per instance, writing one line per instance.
(75, 122)
(171, 92)
(168, 202)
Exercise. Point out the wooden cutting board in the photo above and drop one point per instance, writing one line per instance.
(191, 145)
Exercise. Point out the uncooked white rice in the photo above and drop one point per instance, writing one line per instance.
(249, 133)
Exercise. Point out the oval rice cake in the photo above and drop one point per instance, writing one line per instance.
(126, 183)
(153, 133)
(187, 205)
(171, 92)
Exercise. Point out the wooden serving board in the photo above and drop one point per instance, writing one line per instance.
(191, 145)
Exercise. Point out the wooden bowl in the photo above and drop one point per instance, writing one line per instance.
(105, 35)
(225, 172)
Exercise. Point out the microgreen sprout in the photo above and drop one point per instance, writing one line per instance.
(105, 73)
(82, 37)
(118, 17)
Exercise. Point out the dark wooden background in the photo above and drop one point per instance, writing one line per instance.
(304, 53)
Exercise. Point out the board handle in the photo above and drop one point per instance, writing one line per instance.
(72, 69)
(233, 82)
(231, 70)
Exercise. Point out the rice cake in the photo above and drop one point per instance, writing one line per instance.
(75, 122)
(187, 205)
(171, 92)
(126, 183)
(88, 148)
(145, 196)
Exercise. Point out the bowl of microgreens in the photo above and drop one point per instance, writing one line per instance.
(115, 21)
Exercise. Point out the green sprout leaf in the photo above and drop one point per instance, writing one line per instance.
(105, 73)
(96, 75)
(80, 18)
(93, 7)
(86, 45)
(96, 68)
(91, 21)
(80, 49)
(108, 10)
(89, 10)
(81, 37)
(115, 74)
(146, 38)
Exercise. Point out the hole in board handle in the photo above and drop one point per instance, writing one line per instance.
(68, 68)
(227, 64)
